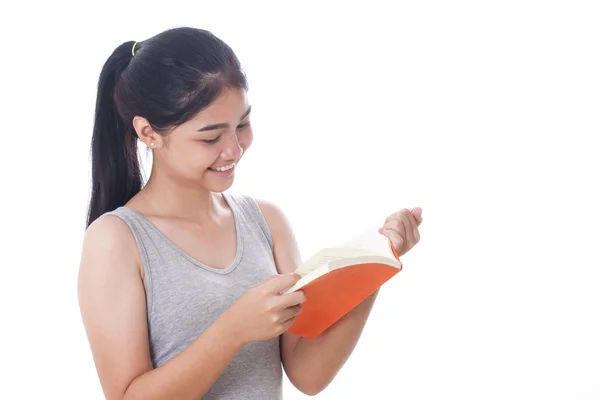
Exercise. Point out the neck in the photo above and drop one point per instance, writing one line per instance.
(166, 196)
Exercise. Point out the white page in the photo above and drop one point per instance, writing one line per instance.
(369, 239)
(327, 255)
(365, 242)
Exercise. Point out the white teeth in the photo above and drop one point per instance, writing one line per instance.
(225, 168)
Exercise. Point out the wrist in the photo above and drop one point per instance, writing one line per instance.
(231, 330)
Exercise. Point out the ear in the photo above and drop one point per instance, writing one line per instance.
(146, 134)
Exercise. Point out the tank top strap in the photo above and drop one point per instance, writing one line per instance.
(252, 216)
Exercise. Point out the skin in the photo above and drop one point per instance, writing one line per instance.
(183, 199)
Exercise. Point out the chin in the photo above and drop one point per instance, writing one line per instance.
(219, 188)
(218, 185)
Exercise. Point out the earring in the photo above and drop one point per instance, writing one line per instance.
(152, 144)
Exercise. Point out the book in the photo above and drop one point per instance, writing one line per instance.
(337, 279)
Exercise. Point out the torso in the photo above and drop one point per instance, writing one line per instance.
(192, 274)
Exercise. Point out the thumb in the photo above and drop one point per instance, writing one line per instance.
(417, 212)
(279, 283)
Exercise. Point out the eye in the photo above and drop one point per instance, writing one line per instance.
(211, 141)
(245, 125)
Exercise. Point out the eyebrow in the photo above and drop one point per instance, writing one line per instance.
(224, 124)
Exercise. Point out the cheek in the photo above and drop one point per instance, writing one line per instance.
(245, 139)
(194, 157)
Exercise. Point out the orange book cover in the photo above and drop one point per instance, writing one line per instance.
(335, 280)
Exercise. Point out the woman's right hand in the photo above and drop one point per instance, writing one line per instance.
(262, 312)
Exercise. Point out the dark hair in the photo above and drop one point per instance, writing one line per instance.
(169, 80)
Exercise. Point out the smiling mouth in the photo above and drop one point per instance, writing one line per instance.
(223, 168)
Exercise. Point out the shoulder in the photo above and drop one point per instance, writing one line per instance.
(109, 232)
(108, 241)
(285, 245)
(274, 216)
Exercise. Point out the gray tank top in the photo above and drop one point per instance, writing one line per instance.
(184, 297)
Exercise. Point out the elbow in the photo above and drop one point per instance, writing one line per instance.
(129, 393)
(309, 381)
(311, 392)
(313, 389)
(311, 386)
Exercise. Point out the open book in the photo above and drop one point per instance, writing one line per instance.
(337, 279)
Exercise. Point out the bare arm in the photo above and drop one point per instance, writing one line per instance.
(311, 365)
(113, 308)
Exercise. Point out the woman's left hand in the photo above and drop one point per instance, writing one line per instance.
(401, 228)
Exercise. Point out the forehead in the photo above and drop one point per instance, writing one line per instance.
(231, 104)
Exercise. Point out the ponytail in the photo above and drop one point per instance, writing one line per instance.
(172, 76)
(116, 175)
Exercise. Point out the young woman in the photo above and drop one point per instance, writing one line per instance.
(179, 281)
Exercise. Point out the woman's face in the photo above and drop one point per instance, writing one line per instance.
(205, 150)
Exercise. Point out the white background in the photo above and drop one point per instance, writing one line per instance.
(485, 114)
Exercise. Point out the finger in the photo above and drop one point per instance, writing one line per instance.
(416, 236)
(395, 224)
(287, 324)
(279, 283)
(395, 238)
(409, 236)
(405, 225)
(417, 213)
(269, 279)
(394, 215)
(290, 299)
(290, 312)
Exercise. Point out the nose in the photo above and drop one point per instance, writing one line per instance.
(232, 150)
